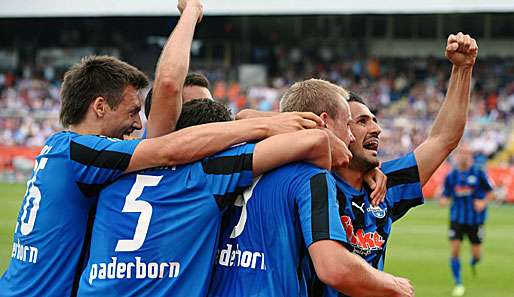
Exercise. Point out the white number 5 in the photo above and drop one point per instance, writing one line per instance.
(143, 207)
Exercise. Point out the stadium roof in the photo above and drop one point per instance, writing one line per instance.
(66, 8)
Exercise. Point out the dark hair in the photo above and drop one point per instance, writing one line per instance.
(202, 111)
(356, 98)
(196, 79)
(192, 79)
(92, 77)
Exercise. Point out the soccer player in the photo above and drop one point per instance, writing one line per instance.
(470, 190)
(196, 86)
(101, 96)
(156, 230)
(292, 212)
(367, 226)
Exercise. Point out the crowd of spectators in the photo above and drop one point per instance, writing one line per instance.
(405, 94)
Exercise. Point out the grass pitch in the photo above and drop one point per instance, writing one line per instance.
(418, 248)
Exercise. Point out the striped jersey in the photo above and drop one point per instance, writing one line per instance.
(266, 233)
(155, 231)
(368, 228)
(49, 239)
(463, 187)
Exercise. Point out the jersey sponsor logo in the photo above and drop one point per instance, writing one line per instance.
(472, 180)
(361, 208)
(135, 269)
(462, 191)
(24, 253)
(363, 243)
(377, 211)
(233, 256)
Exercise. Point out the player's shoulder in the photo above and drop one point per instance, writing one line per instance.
(235, 150)
(299, 169)
(405, 162)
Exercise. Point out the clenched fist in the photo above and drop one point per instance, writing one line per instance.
(461, 50)
(194, 4)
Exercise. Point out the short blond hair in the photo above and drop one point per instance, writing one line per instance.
(314, 95)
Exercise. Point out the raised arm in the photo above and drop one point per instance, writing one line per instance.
(194, 143)
(351, 275)
(449, 124)
(171, 71)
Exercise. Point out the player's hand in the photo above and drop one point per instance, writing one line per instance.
(403, 287)
(461, 50)
(292, 121)
(479, 204)
(377, 181)
(193, 4)
(341, 155)
(443, 201)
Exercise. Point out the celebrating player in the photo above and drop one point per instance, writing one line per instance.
(470, 191)
(367, 226)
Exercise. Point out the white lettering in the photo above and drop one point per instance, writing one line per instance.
(233, 256)
(121, 270)
(102, 273)
(93, 273)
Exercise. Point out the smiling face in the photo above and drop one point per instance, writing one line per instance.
(124, 118)
(366, 131)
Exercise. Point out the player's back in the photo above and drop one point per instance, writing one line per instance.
(155, 231)
(264, 238)
(51, 226)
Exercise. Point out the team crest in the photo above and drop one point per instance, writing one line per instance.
(377, 211)
(472, 179)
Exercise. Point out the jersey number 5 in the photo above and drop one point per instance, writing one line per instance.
(141, 206)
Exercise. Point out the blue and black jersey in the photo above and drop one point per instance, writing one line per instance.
(49, 238)
(266, 234)
(368, 228)
(463, 187)
(156, 230)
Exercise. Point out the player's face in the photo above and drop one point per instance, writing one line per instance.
(195, 92)
(341, 124)
(464, 157)
(124, 119)
(366, 131)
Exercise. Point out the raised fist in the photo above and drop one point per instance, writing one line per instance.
(195, 4)
(461, 50)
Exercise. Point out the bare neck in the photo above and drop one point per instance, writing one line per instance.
(353, 177)
(87, 127)
(464, 167)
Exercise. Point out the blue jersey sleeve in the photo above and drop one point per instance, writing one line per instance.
(485, 182)
(229, 173)
(316, 199)
(448, 186)
(403, 185)
(98, 160)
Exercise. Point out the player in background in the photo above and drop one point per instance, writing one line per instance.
(156, 230)
(292, 212)
(368, 226)
(470, 191)
(102, 96)
(196, 86)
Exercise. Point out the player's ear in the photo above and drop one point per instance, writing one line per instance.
(99, 106)
(325, 118)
